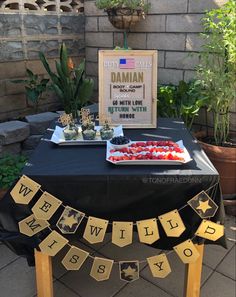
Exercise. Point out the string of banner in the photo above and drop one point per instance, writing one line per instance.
(122, 232)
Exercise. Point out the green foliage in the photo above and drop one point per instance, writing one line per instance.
(10, 169)
(132, 4)
(34, 87)
(69, 83)
(182, 101)
(217, 71)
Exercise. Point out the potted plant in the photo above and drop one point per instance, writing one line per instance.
(181, 101)
(69, 83)
(10, 169)
(124, 14)
(34, 88)
(217, 74)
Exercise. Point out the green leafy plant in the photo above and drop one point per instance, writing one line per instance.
(34, 87)
(217, 71)
(182, 101)
(69, 83)
(132, 4)
(10, 169)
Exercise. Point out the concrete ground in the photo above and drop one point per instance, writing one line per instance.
(218, 278)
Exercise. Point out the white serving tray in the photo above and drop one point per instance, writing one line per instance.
(185, 155)
(58, 137)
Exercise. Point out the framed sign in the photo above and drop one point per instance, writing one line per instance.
(128, 87)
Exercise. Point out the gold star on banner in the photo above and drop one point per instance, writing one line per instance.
(69, 221)
(204, 206)
(129, 271)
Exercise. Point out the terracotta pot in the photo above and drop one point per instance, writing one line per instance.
(124, 18)
(224, 160)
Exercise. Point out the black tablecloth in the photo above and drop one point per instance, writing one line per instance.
(83, 179)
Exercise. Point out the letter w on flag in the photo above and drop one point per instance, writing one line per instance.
(128, 63)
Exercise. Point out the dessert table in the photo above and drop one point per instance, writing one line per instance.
(84, 180)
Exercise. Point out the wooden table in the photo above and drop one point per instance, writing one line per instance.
(44, 278)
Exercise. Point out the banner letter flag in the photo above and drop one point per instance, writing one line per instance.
(203, 205)
(129, 270)
(122, 233)
(148, 231)
(210, 230)
(187, 251)
(31, 225)
(172, 223)
(159, 266)
(101, 269)
(95, 230)
(53, 243)
(70, 220)
(46, 206)
(74, 259)
(24, 190)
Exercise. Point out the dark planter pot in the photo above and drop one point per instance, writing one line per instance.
(124, 18)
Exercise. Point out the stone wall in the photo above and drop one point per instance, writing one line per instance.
(27, 27)
(172, 27)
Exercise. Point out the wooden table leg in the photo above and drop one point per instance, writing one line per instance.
(193, 275)
(43, 268)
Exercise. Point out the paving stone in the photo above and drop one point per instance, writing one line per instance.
(218, 286)
(13, 131)
(99, 39)
(91, 9)
(91, 68)
(213, 254)
(166, 41)
(91, 24)
(141, 288)
(168, 6)
(72, 24)
(31, 142)
(226, 266)
(91, 54)
(60, 290)
(17, 280)
(194, 42)
(152, 23)
(40, 122)
(135, 40)
(184, 23)
(12, 149)
(230, 221)
(169, 76)
(181, 60)
(174, 282)
(7, 256)
(189, 75)
(40, 24)
(10, 25)
(201, 6)
(83, 284)
(11, 50)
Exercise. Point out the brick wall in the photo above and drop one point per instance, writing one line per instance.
(27, 27)
(172, 27)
